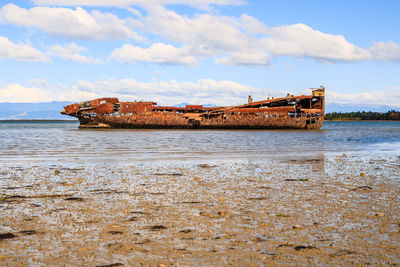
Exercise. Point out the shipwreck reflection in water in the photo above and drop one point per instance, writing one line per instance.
(63, 142)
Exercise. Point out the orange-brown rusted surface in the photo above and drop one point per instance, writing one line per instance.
(104, 108)
(132, 107)
(71, 109)
(297, 112)
(194, 107)
(99, 101)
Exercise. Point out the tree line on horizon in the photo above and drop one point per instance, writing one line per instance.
(362, 115)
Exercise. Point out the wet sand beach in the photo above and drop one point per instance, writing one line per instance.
(296, 211)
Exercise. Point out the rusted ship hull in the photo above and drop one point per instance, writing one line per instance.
(290, 112)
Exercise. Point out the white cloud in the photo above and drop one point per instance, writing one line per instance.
(206, 36)
(72, 52)
(390, 96)
(125, 3)
(388, 51)
(299, 40)
(247, 41)
(20, 52)
(157, 53)
(216, 33)
(184, 40)
(252, 25)
(23, 52)
(69, 23)
(18, 93)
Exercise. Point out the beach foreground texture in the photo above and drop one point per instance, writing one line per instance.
(339, 210)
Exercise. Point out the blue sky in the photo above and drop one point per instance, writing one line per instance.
(206, 52)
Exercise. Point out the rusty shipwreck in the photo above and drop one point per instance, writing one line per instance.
(291, 112)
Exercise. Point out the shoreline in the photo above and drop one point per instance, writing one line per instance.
(362, 120)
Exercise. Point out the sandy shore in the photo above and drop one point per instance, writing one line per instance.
(318, 211)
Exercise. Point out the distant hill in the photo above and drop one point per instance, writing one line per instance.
(28, 111)
(333, 107)
(51, 110)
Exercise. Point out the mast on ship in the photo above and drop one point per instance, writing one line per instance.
(320, 93)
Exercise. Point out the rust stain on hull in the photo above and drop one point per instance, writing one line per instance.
(290, 112)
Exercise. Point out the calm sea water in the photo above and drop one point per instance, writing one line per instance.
(64, 142)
